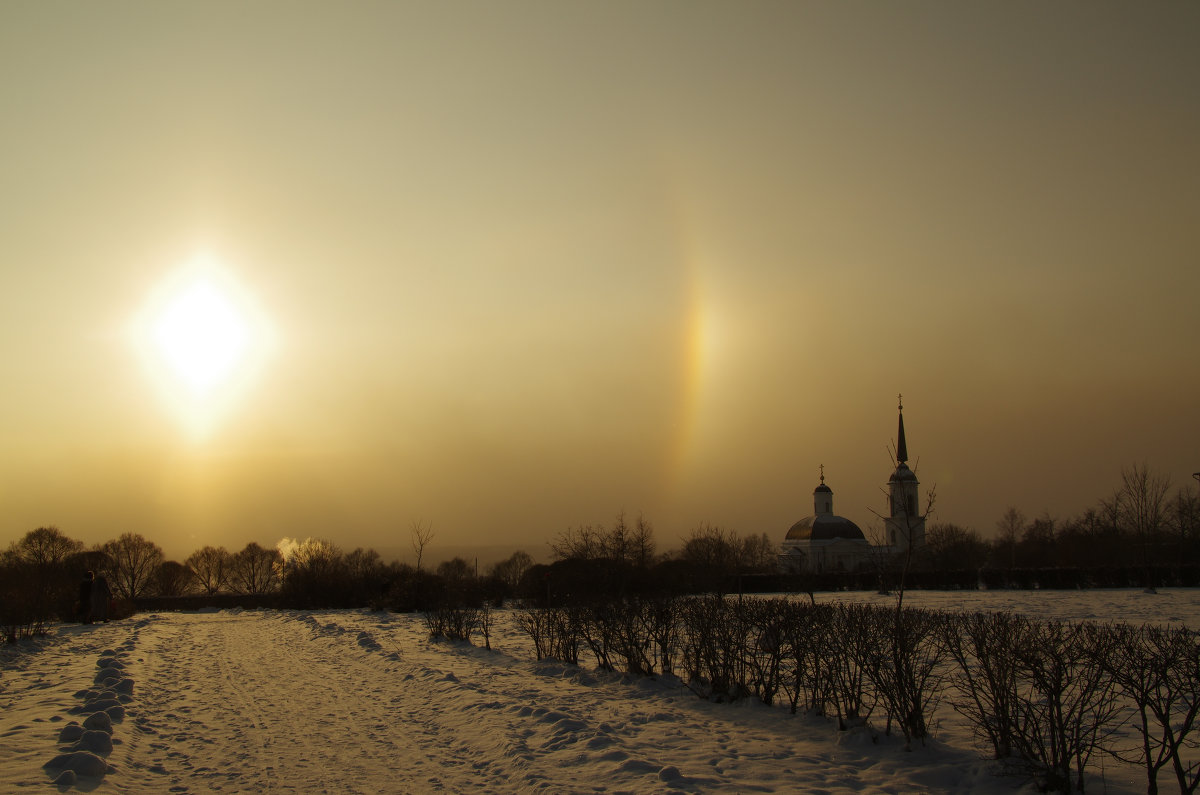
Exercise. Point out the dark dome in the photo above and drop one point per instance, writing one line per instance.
(822, 489)
(903, 475)
(824, 528)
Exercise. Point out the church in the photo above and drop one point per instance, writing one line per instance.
(828, 542)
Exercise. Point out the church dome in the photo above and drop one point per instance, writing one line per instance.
(824, 528)
(822, 489)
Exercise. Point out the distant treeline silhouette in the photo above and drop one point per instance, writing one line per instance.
(1143, 535)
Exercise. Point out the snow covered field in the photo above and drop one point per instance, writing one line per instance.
(354, 701)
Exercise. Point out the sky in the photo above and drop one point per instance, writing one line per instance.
(509, 268)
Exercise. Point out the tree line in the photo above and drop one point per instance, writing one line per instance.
(1143, 534)
(1144, 529)
(40, 572)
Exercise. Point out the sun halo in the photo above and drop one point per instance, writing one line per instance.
(202, 339)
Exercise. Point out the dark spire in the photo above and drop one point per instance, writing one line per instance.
(901, 446)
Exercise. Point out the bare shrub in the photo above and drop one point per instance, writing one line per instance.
(660, 620)
(454, 622)
(764, 664)
(908, 670)
(597, 629)
(851, 646)
(805, 659)
(1157, 669)
(623, 630)
(714, 637)
(985, 679)
(1065, 710)
(554, 632)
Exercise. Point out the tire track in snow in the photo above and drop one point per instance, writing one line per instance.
(270, 702)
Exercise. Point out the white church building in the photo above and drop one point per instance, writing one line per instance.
(827, 542)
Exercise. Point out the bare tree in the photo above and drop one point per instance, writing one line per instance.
(35, 580)
(1141, 505)
(641, 543)
(211, 567)
(45, 546)
(456, 570)
(1039, 543)
(364, 565)
(173, 579)
(422, 534)
(954, 548)
(620, 543)
(713, 546)
(1009, 529)
(256, 570)
(578, 543)
(759, 553)
(132, 562)
(315, 555)
(1185, 517)
(511, 570)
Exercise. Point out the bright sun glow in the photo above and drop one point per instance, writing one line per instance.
(202, 339)
(201, 336)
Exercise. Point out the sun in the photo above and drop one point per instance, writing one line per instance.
(202, 338)
(201, 335)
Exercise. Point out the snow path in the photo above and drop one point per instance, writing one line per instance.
(354, 701)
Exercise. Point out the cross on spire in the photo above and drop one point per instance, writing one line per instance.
(822, 468)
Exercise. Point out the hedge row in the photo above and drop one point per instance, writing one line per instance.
(1044, 697)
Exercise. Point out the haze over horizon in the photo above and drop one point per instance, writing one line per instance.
(511, 268)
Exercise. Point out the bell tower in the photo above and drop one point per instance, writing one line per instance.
(905, 526)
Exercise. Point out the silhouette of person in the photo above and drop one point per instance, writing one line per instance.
(84, 608)
(100, 595)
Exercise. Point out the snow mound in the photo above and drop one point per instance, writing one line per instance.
(67, 778)
(70, 733)
(96, 741)
(83, 763)
(99, 721)
(91, 742)
(109, 677)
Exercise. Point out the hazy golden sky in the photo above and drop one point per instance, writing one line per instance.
(522, 265)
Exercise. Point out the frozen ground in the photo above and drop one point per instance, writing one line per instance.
(351, 701)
